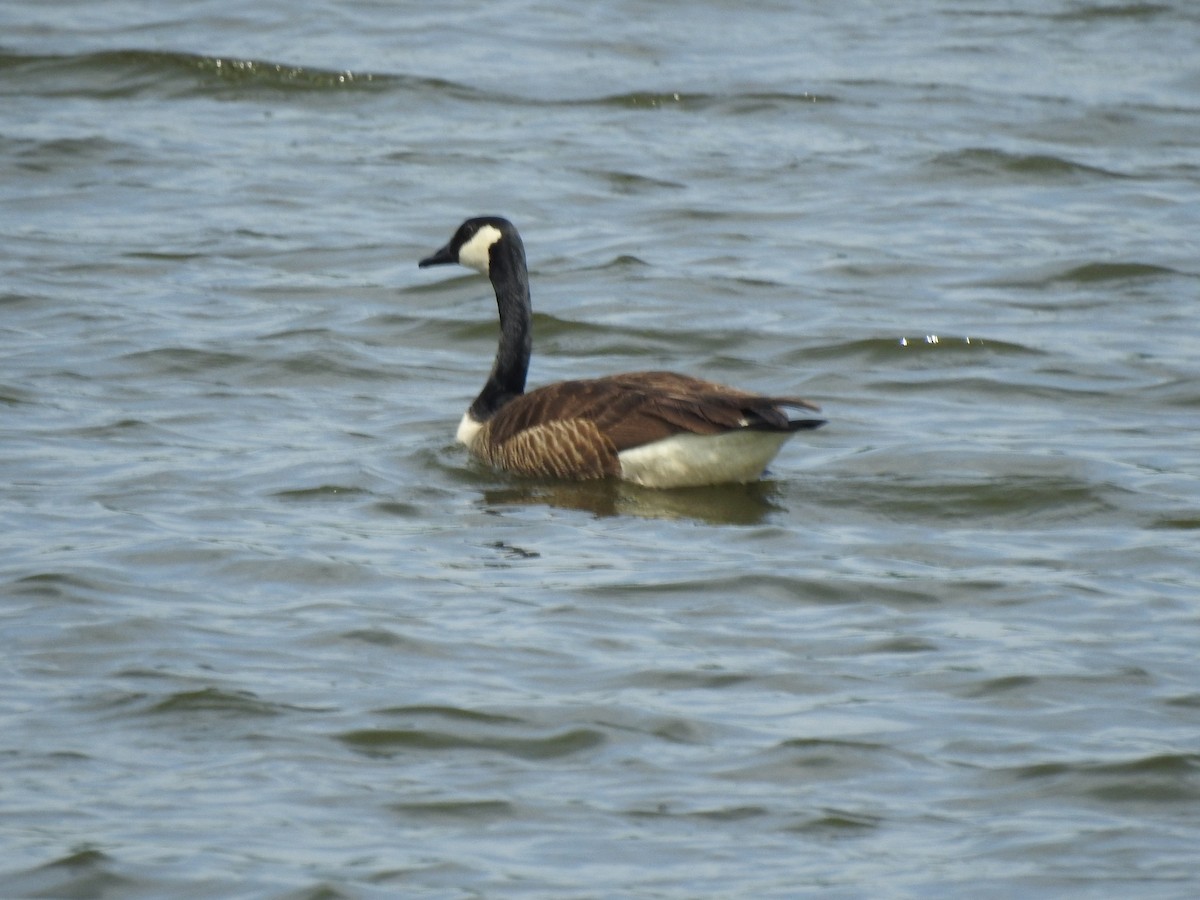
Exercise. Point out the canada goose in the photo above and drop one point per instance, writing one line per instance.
(657, 429)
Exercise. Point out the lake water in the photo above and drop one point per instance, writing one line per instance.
(269, 633)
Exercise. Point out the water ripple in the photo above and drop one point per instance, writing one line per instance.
(393, 741)
(116, 74)
(980, 161)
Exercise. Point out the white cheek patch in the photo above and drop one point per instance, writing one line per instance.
(474, 253)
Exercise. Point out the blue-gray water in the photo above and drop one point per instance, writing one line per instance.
(268, 633)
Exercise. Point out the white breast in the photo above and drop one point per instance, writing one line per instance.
(688, 460)
(468, 429)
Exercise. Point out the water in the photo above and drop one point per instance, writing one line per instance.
(270, 634)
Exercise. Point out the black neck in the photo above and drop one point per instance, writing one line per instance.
(510, 278)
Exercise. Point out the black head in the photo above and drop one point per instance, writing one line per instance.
(472, 244)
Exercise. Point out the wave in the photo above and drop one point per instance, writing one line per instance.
(1113, 271)
(386, 742)
(692, 100)
(121, 73)
(1164, 778)
(1099, 11)
(1091, 272)
(989, 162)
(124, 73)
(207, 701)
(885, 349)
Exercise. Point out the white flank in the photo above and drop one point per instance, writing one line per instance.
(474, 253)
(468, 429)
(691, 460)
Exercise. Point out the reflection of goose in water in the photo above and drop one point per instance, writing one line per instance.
(657, 429)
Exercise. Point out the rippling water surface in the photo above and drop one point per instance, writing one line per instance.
(269, 633)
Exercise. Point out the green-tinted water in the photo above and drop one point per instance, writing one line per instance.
(269, 633)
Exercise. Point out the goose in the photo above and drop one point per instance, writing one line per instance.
(656, 429)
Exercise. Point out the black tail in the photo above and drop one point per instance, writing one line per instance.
(770, 416)
(804, 424)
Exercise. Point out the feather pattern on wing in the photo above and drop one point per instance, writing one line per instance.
(562, 448)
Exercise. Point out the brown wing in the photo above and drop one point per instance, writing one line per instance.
(641, 407)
